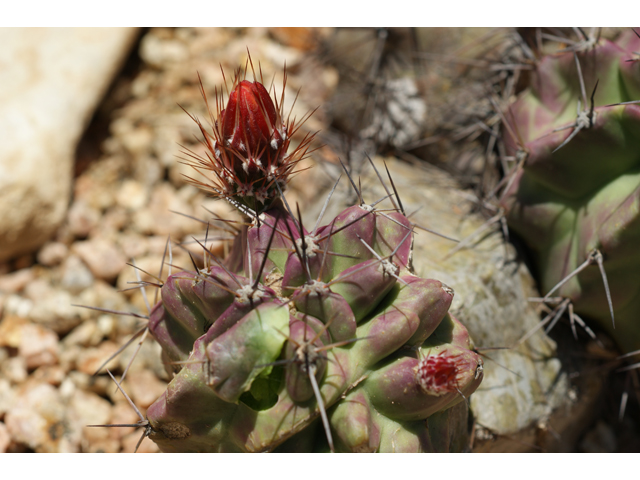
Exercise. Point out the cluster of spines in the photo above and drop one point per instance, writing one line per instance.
(246, 149)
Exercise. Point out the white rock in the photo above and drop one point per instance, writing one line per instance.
(51, 81)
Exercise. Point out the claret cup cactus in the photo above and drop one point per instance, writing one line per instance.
(304, 340)
(575, 202)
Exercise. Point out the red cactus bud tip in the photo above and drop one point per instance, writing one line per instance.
(443, 373)
(251, 123)
(247, 150)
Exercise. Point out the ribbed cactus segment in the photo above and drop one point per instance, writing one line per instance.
(304, 340)
(351, 334)
(579, 190)
(240, 354)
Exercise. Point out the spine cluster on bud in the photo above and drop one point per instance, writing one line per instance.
(247, 147)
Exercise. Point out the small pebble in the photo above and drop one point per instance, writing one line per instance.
(82, 219)
(75, 275)
(51, 374)
(52, 254)
(81, 335)
(103, 258)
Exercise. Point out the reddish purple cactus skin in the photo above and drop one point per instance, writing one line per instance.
(585, 195)
(293, 321)
(251, 123)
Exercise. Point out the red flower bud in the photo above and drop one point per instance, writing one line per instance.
(248, 148)
(250, 122)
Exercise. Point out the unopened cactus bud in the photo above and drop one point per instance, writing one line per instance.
(248, 147)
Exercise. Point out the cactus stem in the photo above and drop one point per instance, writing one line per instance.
(300, 255)
(340, 344)
(387, 262)
(585, 119)
(266, 254)
(367, 212)
(326, 248)
(347, 275)
(323, 413)
(303, 243)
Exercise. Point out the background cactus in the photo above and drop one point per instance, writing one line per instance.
(296, 325)
(576, 189)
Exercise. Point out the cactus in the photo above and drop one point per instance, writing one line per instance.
(575, 194)
(320, 340)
